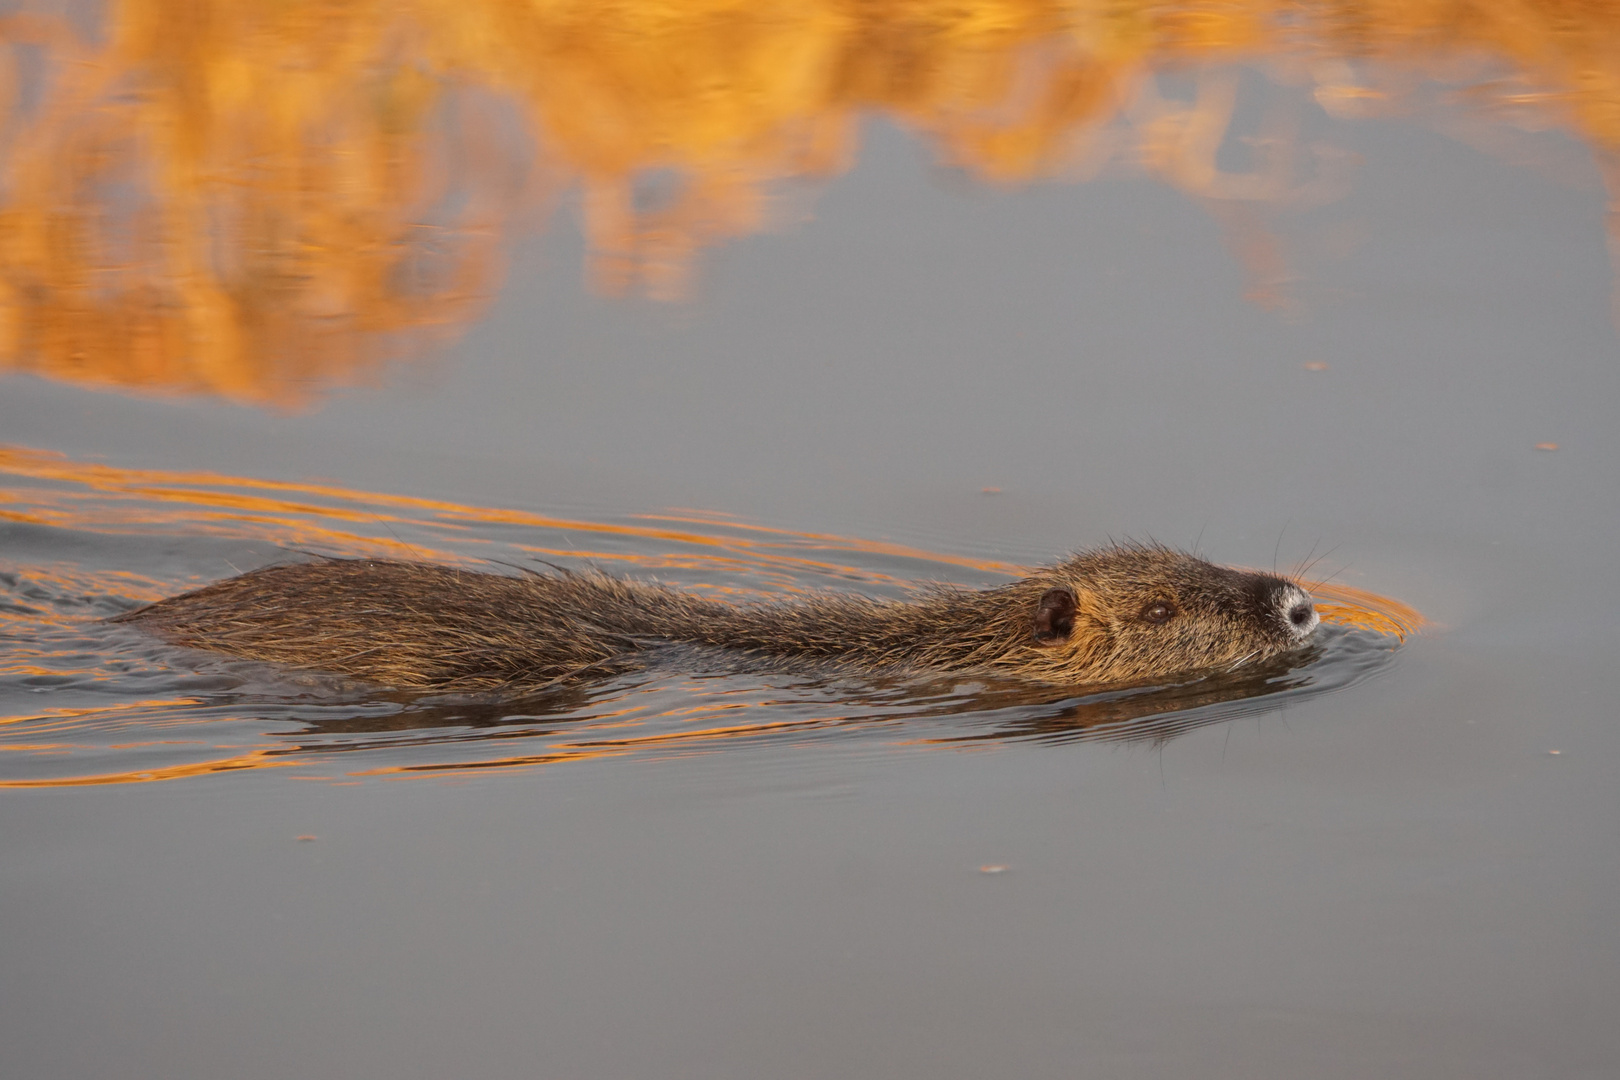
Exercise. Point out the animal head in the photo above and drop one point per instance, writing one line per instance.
(1139, 613)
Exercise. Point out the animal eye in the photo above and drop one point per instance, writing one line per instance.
(1158, 612)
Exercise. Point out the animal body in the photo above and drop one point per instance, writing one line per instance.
(1122, 615)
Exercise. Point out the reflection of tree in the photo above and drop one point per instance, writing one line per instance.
(257, 199)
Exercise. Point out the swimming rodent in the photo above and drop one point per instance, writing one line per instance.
(1122, 615)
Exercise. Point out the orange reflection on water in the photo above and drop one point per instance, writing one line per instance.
(47, 721)
(586, 750)
(258, 759)
(326, 516)
(259, 199)
(1359, 609)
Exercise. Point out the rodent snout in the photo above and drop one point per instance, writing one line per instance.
(1298, 611)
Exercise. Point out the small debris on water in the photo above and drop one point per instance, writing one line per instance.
(993, 868)
(1315, 365)
(305, 838)
(1555, 753)
(989, 491)
(1546, 446)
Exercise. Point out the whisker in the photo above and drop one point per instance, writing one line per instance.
(1307, 567)
(1303, 565)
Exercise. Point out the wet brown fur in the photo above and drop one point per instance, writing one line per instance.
(1092, 620)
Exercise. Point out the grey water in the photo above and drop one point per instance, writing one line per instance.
(1400, 858)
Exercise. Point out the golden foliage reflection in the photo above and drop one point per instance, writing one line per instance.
(260, 199)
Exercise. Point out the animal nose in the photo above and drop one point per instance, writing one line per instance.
(1301, 615)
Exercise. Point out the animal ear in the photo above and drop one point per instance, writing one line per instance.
(1054, 616)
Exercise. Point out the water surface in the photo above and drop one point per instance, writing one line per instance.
(785, 298)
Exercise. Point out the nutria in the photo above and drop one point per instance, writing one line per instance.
(1127, 614)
